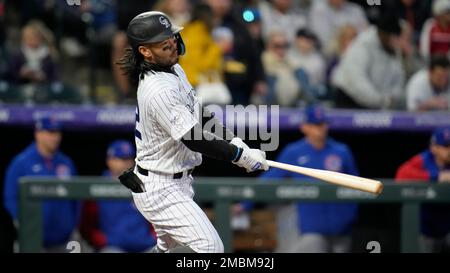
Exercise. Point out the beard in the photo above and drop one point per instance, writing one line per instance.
(167, 62)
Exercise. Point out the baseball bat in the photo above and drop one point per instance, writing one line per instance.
(346, 180)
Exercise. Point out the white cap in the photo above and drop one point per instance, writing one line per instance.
(441, 7)
(220, 33)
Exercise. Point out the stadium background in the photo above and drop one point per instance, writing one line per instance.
(378, 152)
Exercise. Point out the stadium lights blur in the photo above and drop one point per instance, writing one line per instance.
(250, 15)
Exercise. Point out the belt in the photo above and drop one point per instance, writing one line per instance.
(175, 175)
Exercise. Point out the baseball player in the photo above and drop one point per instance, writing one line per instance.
(170, 139)
(44, 158)
(106, 224)
(431, 166)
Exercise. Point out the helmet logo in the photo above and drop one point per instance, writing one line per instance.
(163, 20)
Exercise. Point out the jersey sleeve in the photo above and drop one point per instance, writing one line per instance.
(172, 113)
(412, 170)
(11, 189)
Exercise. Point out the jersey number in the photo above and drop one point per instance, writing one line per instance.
(136, 132)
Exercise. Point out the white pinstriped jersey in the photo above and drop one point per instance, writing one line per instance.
(167, 109)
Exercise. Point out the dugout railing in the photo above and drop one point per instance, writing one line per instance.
(222, 192)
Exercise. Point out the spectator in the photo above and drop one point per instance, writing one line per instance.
(328, 16)
(113, 226)
(414, 12)
(179, 11)
(370, 74)
(243, 70)
(435, 37)
(429, 89)
(412, 61)
(126, 10)
(252, 17)
(281, 15)
(35, 62)
(94, 22)
(75, 22)
(43, 158)
(431, 166)
(322, 227)
(204, 57)
(309, 64)
(280, 71)
(104, 19)
(339, 46)
(224, 38)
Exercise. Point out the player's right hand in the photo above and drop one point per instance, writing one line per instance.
(252, 160)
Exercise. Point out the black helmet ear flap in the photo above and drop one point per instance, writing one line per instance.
(181, 47)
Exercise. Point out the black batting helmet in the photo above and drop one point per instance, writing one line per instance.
(153, 27)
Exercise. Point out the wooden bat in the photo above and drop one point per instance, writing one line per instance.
(346, 180)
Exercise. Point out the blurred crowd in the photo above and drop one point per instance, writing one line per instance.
(341, 53)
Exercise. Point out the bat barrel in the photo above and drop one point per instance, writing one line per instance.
(345, 180)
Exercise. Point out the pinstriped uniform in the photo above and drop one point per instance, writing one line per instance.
(167, 109)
